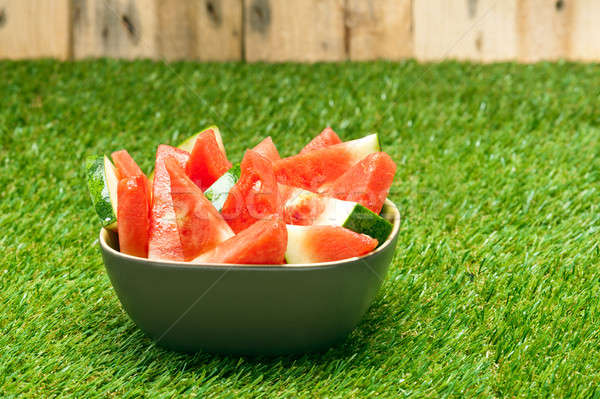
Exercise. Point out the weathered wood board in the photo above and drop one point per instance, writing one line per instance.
(294, 30)
(176, 29)
(584, 32)
(35, 28)
(543, 29)
(115, 28)
(219, 30)
(380, 29)
(206, 30)
(302, 30)
(479, 30)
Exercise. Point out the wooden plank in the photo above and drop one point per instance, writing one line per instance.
(294, 30)
(543, 29)
(380, 29)
(160, 29)
(584, 41)
(35, 28)
(478, 30)
(219, 30)
(176, 29)
(205, 30)
(115, 28)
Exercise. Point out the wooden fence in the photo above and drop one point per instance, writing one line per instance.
(302, 30)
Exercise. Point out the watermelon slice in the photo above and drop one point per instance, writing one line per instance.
(126, 167)
(164, 242)
(306, 208)
(188, 144)
(254, 196)
(313, 169)
(368, 182)
(326, 138)
(132, 215)
(207, 162)
(263, 243)
(199, 224)
(267, 149)
(311, 244)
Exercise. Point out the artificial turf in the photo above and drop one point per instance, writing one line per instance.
(494, 287)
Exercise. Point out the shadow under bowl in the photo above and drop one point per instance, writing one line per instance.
(248, 309)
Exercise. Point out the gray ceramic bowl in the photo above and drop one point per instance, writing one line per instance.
(251, 310)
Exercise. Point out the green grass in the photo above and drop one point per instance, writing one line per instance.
(494, 288)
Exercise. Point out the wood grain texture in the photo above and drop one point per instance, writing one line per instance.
(544, 29)
(115, 28)
(176, 29)
(380, 29)
(219, 30)
(35, 28)
(294, 30)
(205, 30)
(584, 30)
(479, 30)
(302, 30)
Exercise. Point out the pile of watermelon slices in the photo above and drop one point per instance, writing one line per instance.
(320, 205)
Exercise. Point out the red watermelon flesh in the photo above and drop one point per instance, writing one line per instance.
(326, 138)
(201, 227)
(263, 243)
(207, 161)
(164, 242)
(254, 196)
(132, 215)
(368, 182)
(300, 207)
(313, 169)
(310, 244)
(267, 149)
(126, 167)
(285, 193)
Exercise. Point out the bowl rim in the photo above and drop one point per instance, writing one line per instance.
(390, 206)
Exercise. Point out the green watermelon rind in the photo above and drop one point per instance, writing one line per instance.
(355, 217)
(100, 193)
(365, 221)
(217, 193)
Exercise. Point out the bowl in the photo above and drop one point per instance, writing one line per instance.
(248, 309)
